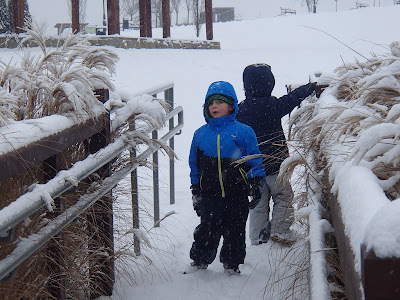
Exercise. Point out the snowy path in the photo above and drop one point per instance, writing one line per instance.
(294, 51)
(268, 265)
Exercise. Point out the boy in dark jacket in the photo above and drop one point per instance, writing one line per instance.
(263, 113)
(219, 186)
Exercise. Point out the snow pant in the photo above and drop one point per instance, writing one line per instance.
(224, 217)
(282, 214)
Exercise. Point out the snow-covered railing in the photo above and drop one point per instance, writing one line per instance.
(41, 195)
(58, 185)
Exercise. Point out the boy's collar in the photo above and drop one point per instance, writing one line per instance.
(221, 120)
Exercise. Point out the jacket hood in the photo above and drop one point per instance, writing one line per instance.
(258, 80)
(221, 88)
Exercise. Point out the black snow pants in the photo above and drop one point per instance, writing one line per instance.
(226, 217)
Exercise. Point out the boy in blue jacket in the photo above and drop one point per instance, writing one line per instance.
(263, 112)
(219, 186)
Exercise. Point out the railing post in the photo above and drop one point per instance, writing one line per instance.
(169, 98)
(351, 278)
(156, 192)
(56, 284)
(101, 271)
(134, 194)
(380, 276)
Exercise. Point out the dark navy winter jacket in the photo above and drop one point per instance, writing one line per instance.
(263, 112)
(217, 144)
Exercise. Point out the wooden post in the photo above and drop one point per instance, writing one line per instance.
(18, 15)
(351, 278)
(148, 18)
(166, 19)
(145, 18)
(209, 20)
(142, 18)
(113, 16)
(75, 16)
(380, 276)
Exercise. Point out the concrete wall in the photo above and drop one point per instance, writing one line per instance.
(123, 42)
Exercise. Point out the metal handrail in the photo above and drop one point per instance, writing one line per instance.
(32, 201)
(35, 241)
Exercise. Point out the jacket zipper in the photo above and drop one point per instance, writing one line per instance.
(219, 165)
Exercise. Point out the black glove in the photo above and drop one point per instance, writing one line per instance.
(196, 199)
(255, 187)
(319, 89)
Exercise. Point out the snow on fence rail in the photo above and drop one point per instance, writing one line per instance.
(42, 195)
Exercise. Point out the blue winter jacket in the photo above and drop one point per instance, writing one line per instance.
(219, 143)
(263, 112)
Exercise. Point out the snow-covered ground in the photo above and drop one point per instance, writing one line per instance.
(294, 46)
(50, 12)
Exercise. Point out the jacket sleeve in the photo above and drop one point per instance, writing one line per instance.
(194, 174)
(287, 103)
(251, 148)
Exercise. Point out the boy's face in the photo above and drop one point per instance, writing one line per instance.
(219, 108)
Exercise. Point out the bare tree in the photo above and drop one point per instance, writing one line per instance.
(198, 8)
(188, 6)
(131, 7)
(156, 10)
(175, 5)
(82, 10)
(312, 5)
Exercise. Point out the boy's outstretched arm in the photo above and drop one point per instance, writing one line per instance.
(287, 103)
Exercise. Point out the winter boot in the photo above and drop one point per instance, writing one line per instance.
(231, 269)
(264, 235)
(194, 266)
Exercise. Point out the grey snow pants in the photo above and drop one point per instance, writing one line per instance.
(282, 213)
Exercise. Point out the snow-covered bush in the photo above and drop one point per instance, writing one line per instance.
(357, 118)
(60, 80)
(348, 141)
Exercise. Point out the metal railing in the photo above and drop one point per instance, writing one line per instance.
(31, 244)
(33, 201)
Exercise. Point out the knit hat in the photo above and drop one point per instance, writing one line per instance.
(224, 98)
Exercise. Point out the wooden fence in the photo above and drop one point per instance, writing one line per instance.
(379, 278)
